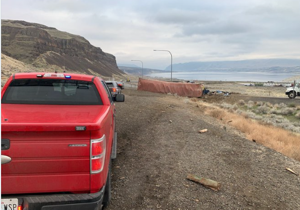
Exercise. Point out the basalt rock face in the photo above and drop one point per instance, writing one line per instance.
(42, 45)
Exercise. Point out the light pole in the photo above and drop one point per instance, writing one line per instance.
(171, 60)
(142, 66)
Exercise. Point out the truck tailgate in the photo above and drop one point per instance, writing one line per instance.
(46, 162)
(53, 158)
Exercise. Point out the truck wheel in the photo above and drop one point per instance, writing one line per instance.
(292, 94)
(107, 191)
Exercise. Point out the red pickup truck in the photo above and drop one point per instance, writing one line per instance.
(58, 140)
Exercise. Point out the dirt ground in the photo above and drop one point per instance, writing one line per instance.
(235, 97)
(238, 87)
(159, 145)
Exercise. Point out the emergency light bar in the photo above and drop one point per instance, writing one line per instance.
(54, 75)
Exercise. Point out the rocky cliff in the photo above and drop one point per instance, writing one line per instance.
(41, 46)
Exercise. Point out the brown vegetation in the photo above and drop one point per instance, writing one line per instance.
(275, 138)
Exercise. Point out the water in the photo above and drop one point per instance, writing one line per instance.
(227, 76)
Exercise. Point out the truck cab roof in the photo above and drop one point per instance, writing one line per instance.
(48, 75)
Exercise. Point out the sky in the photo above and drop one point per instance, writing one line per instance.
(192, 30)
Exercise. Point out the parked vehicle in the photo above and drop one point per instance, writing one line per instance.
(58, 140)
(120, 85)
(293, 91)
(113, 87)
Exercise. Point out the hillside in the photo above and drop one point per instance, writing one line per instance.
(11, 66)
(44, 46)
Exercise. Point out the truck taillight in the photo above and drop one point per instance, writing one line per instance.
(114, 89)
(97, 155)
(20, 208)
(97, 148)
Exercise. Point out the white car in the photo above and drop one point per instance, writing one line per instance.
(293, 91)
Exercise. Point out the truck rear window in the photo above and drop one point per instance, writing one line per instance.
(110, 84)
(51, 91)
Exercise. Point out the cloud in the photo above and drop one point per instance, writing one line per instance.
(70, 6)
(191, 30)
(218, 28)
(182, 17)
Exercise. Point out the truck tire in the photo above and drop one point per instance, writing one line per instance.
(107, 191)
(292, 94)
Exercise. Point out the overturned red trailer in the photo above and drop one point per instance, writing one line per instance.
(181, 89)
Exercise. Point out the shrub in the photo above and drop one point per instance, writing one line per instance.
(250, 114)
(266, 121)
(250, 104)
(226, 106)
(230, 107)
(297, 130)
(241, 102)
(292, 105)
(259, 103)
(235, 107)
(275, 111)
(287, 111)
(238, 111)
(297, 115)
(268, 104)
(263, 110)
(287, 126)
(282, 105)
(257, 117)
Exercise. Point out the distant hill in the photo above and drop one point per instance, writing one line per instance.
(127, 65)
(269, 65)
(138, 71)
(44, 46)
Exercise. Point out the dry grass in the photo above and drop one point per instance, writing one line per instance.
(216, 113)
(275, 138)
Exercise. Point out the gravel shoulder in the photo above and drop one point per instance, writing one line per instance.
(159, 144)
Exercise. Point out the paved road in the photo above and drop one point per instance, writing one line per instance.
(272, 100)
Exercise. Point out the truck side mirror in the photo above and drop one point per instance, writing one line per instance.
(119, 98)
